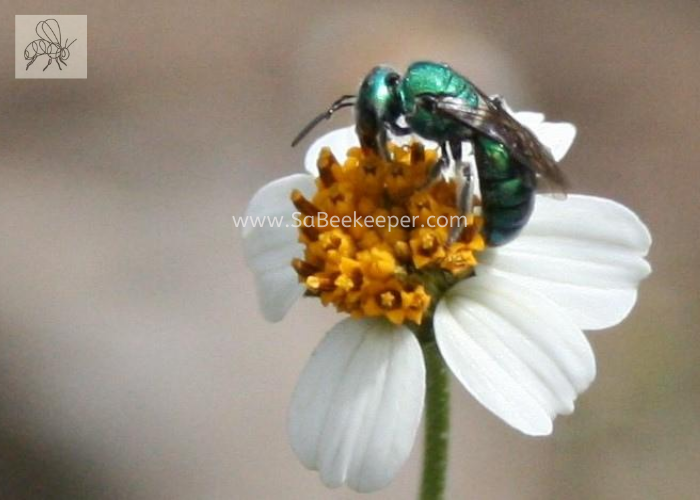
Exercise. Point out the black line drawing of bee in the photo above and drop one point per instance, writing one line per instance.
(49, 43)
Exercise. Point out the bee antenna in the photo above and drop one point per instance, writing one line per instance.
(342, 102)
(71, 43)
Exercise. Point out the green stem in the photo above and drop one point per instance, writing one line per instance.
(437, 424)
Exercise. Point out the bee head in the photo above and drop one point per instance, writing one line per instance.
(378, 98)
(378, 105)
(65, 53)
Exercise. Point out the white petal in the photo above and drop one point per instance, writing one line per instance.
(558, 137)
(528, 118)
(584, 253)
(339, 140)
(514, 350)
(269, 249)
(358, 403)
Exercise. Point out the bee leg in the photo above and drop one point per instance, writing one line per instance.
(465, 201)
(31, 62)
(465, 196)
(439, 167)
(382, 140)
(49, 64)
(59, 65)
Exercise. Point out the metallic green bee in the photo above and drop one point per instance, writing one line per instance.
(440, 105)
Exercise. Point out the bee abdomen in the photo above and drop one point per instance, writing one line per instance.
(507, 192)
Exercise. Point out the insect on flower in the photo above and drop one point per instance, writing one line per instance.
(439, 104)
(49, 43)
(507, 320)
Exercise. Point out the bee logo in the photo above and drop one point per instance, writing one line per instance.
(49, 44)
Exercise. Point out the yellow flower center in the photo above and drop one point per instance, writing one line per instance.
(377, 234)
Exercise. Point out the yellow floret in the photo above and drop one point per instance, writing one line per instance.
(388, 269)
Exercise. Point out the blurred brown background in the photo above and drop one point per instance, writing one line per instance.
(133, 361)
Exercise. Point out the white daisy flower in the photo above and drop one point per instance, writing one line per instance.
(508, 321)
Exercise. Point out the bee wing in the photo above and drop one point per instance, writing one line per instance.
(50, 31)
(493, 121)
